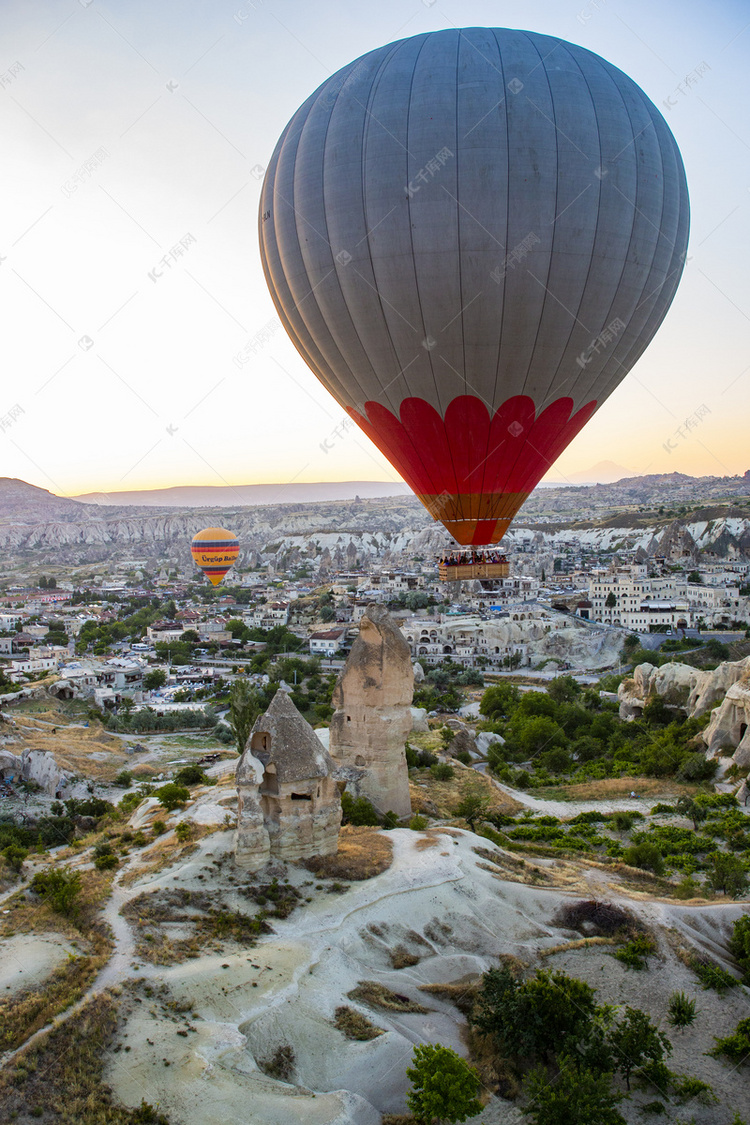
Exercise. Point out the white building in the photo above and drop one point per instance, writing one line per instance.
(327, 642)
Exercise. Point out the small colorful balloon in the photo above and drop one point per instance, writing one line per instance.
(215, 550)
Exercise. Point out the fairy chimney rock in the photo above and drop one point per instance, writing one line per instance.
(373, 716)
(288, 801)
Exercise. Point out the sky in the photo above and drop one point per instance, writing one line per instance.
(141, 348)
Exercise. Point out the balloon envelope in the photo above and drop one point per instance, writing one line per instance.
(471, 236)
(214, 550)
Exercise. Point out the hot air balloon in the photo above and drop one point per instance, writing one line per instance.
(471, 236)
(215, 550)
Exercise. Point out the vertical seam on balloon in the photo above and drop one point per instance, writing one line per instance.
(344, 302)
(494, 405)
(307, 349)
(411, 236)
(576, 315)
(545, 284)
(373, 89)
(637, 212)
(460, 276)
(575, 392)
(683, 198)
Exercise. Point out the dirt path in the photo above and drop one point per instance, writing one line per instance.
(565, 809)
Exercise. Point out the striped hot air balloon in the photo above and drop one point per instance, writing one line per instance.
(471, 236)
(215, 550)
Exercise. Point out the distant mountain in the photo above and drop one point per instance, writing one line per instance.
(603, 472)
(25, 503)
(240, 495)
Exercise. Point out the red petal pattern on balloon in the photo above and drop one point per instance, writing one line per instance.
(469, 468)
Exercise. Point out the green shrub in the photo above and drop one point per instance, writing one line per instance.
(418, 823)
(172, 796)
(14, 855)
(681, 1011)
(190, 775)
(442, 771)
(711, 975)
(60, 887)
(739, 945)
(358, 811)
(158, 827)
(124, 779)
(646, 856)
(183, 831)
(635, 952)
(737, 1045)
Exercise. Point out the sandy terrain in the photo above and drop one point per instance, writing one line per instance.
(27, 959)
(442, 902)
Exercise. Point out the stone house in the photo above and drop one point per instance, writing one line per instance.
(289, 806)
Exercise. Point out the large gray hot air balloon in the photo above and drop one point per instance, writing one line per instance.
(471, 236)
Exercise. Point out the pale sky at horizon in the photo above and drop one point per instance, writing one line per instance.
(135, 130)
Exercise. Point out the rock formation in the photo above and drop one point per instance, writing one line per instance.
(373, 715)
(724, 690)
(288, 800)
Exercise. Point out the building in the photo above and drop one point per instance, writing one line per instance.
(327, 642)
(163, 632)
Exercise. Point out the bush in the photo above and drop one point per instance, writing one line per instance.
(124, 779)
(710, 974)
(727, 873)
(635, 952)
(681, 1011)
(172, 796)
(739, 945)
(158, 827)
(737, 1045)
(418, 823)
(60, 887)
(444, 1086)
(190, 775)
(106, 862)
(697, 767)
(442, 771)
(646, 856)
(183, 831)
(358, 811)
(14, 855)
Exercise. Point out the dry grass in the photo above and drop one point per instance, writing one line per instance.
(430, 797)
(166, 850)
(425, 842)
(72, 745)
(354, 1025)
(209, 920)
(377, 995)
(363, 853)
(462, 992)
(28, 1011)
(580, 943)
(401, 958)
(58, 1079)
(27, 916)
(612, 788)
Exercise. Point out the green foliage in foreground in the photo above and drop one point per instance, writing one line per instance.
(444, 1086)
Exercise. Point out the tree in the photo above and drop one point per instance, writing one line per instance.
(539, 1017)
(739, 945)
(681, 1010)
(578, 1096)
(636, 1043)
(445, 1087)
(155, 679)
(500, 701)
(727, 873)
(244, 708)
(473, 806)
(172, 796)
(691, 809)
(646, 856)
(610, 601)
(564, 689)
